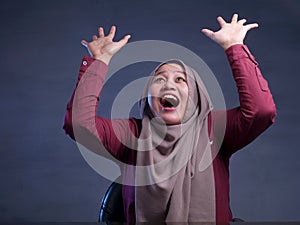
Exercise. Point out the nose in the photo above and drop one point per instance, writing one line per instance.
(169, 85)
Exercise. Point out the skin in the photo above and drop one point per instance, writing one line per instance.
(230, 33)
(169, 79)
(103, 48)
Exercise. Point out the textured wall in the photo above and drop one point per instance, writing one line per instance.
(43, 175)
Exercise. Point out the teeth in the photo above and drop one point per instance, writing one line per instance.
(169, 100)
(169, 96)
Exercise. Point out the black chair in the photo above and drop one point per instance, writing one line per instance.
(112, 208)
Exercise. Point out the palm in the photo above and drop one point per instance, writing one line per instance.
(103, 47)
(100, 47)
(111, 47)
(230, 33)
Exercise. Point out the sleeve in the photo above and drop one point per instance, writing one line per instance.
(257, 108)
(81, 123)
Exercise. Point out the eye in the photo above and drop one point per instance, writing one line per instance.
(180, 79)
(159, 80)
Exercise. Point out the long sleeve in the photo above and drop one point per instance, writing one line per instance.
(257, 108)
(81, 122)
(85, 67)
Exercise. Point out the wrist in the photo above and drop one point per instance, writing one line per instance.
(104, 58)
(228, 45)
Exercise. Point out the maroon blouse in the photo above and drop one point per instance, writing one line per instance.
(244, 123)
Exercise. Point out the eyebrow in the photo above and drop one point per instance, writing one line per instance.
(176, 71)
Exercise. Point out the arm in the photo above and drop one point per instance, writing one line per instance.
(81, 122)
(257, 109)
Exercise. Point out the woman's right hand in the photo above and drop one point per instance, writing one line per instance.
(103, 47)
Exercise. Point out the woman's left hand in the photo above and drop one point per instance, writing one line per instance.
(230, 33)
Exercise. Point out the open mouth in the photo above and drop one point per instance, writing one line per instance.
(169, 101)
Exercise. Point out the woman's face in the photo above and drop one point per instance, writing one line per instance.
(168, 93)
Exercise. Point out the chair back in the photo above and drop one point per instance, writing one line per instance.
(112, 208)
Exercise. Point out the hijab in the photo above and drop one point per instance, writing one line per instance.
(174, 172)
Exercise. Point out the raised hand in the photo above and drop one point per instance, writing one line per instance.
(103, 47)
(230, 33)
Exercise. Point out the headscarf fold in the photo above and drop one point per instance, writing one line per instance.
(171, 182)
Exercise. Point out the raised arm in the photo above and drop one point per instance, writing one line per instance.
(257, 108)
(81, 121)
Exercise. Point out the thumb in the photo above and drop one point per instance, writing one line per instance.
(207, 32)
(251, 26)
(125, 39)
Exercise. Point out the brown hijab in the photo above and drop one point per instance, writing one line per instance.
(174, 173)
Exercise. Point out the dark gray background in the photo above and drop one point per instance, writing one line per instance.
(43, 175)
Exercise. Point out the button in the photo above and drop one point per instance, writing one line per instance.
(84, 63)
(211, 142)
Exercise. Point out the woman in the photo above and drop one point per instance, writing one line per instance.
(180, 147)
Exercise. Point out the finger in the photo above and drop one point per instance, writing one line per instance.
(207, 32)
(251, 26)
(112, 32)
(234, 18)
(124, 40)
(101, 32)
(84, 43)
(95, 37)
(221, 21)
(242, 21)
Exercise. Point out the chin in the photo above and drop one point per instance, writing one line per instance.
(171, 121)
